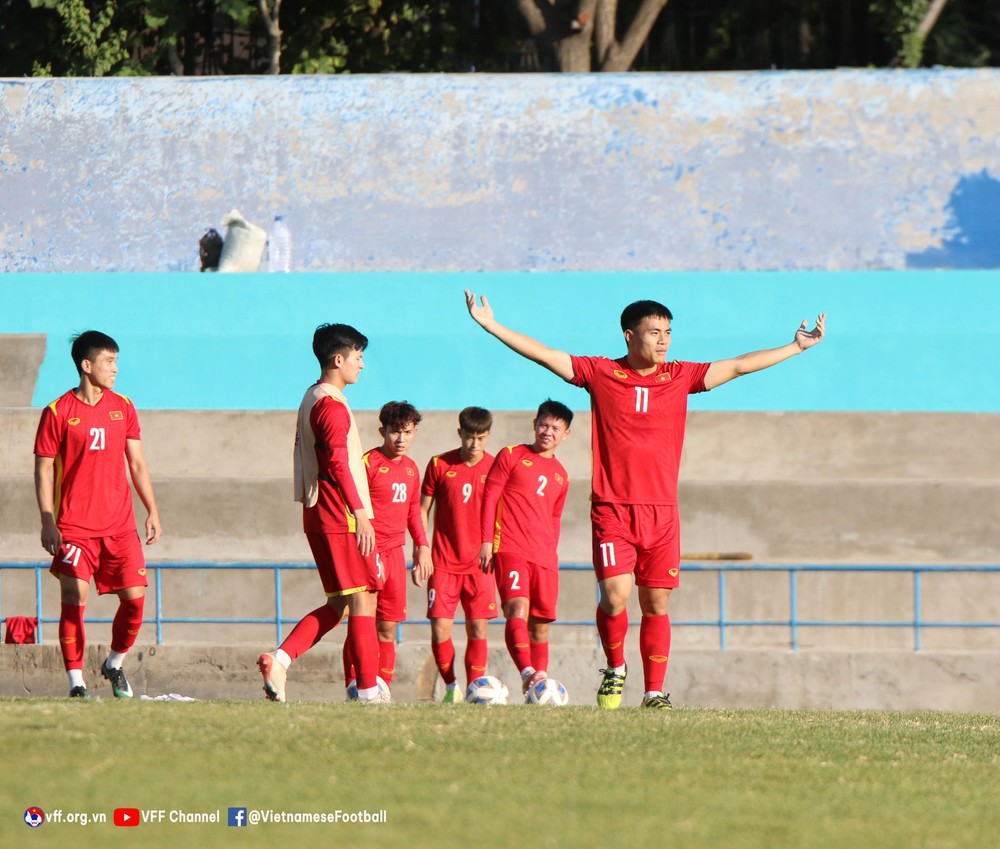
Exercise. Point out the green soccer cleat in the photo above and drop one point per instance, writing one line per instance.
(80, 693)
(609, 694)
(660, 702)
(119, 683)
(451, 696)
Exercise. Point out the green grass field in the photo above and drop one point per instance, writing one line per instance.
(494, 777)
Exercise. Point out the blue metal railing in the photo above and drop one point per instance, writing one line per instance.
(918, 623)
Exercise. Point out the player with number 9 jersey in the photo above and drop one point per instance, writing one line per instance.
(453, 485)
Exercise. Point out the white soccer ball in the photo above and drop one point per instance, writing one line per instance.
(487, 690)
(550, 692)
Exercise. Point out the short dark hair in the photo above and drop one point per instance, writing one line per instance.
(397, 414)
(87, 345)
(475, 420)
(555, 410)
(332, 339)
(635, 312)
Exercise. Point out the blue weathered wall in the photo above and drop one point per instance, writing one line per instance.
(843, 170)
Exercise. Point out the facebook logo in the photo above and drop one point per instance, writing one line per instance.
(238, 816)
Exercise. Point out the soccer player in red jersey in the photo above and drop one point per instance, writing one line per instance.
(394, 483)
(522, 508)
(639, 405)
(331, 484)
(88, 524)
(453, 484)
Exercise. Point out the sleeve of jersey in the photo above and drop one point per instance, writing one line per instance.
(48, 436)
(132, 429)
(696, 376)
(557, 510)
(430, 478)
(496, 480)
(330, 423)
(583, 370)
(418, 533)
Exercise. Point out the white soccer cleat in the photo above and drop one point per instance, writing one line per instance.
(274, 675)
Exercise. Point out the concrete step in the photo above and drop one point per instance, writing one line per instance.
(851, 521)
(730, 446)
(840, 680)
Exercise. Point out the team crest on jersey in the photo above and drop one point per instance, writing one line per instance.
(559, 478)
(620, 374)
(409, 471)
(527, 462)
(663, 378)
(451, 474)
(116, 415)
(482, 478)
(383, 470)
(73, 422)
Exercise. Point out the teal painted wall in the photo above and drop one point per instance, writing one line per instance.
(908, 341)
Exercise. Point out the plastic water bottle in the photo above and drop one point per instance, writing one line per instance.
(279, 246)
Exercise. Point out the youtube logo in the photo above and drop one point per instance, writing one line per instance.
(127, 816)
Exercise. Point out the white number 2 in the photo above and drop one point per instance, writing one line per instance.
(542, 483)
(97, 439)
(466, 492)
(72, 555)
(515, 579)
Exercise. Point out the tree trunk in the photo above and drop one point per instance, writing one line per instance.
(271, 23)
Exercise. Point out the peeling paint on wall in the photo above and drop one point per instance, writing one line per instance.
(841, 170)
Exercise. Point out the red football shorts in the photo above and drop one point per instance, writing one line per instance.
(519, 578)
(115, 563)
(475, 590)
(342, 568)
(392, 597)
(643, 539)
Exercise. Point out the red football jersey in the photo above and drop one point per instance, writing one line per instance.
(457, 490)
(523, 504)
(394, 486)
(92, 494)
(338, 493)
(638, 426)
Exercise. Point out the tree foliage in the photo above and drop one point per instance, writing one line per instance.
(207, 37)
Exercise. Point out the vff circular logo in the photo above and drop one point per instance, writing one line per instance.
(34, 817)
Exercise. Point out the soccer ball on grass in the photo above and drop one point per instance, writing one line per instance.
(487, 690)
(549, 692)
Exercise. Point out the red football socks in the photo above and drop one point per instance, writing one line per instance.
(309, 631)
(612, 630)
(363, 637)
(476, 652)
(387, 660)
(444, 657)
(126, 624)
(71, 635)
(516, 637)
(654, 643)
(540, 656)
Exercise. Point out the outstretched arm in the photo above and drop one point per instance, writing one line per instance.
(722, 371)
(558, 362)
